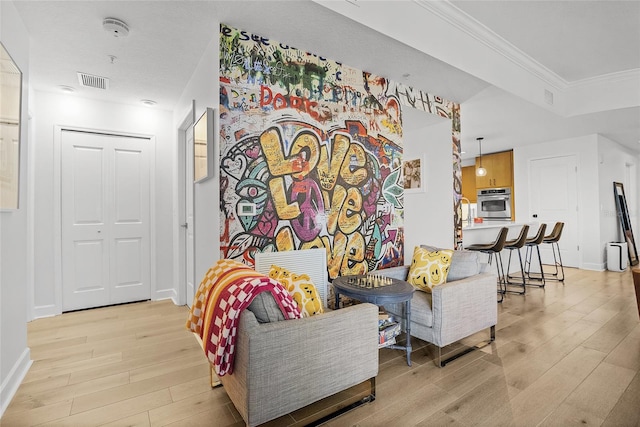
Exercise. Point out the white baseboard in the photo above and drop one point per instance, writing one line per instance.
(10, 385)
(593, 266)
(45, 311)
(167, 294)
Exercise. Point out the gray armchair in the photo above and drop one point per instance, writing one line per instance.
(466, 304)
(283, 366)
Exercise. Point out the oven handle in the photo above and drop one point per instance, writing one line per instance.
(484, 197)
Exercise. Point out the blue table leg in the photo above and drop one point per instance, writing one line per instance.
(407, 308)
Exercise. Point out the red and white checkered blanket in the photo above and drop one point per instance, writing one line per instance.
(227, 289)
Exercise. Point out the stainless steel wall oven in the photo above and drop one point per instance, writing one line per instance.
(494, 203)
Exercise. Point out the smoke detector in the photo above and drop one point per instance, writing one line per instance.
(115, 27)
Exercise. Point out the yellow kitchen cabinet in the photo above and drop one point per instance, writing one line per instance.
(469, 183)
(499, 168)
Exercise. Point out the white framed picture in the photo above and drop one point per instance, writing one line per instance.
(413, 175)
(204, 135)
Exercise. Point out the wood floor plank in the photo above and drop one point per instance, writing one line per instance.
(543, 396)
(137, 420)
(469, 377)
(601, 390)
(162, 368)
(173, 354)
(98, 399)
(626, 410)
(563, 355)
(481, 402)
(204, 419)
(51, 396)
(36, 416)
(116, 411)
(94, 365)
(627, 353)
(186, 408)
(190, 388)
(569, 415)
(524, 373)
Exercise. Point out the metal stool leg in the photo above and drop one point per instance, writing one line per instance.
(521, 272)
(559, 274)
(528, 260)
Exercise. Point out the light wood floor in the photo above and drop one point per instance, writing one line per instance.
(563, 356)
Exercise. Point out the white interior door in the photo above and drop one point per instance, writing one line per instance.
(554, 197)
(188, 208)
(105, 219)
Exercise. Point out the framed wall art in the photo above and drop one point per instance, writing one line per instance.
(203, 144)
(413, 175)
(10, 108)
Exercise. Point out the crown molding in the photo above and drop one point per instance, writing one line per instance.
(632, 75)
(465, 23)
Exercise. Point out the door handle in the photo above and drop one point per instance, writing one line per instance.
(185, 225)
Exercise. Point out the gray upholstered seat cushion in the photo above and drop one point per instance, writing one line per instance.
(265, 308)
(463, 264)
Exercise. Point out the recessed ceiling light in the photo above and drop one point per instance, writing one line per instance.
(67, 89)
(148, 102)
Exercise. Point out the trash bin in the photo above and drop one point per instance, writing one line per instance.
(617, 256)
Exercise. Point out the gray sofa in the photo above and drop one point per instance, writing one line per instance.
(466, 304)
(282, 366)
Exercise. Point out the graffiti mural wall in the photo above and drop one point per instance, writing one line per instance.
(310, 155)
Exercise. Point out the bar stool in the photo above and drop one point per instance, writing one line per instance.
(517, 244)
(553, 239)
(534, 242)
(494, 249)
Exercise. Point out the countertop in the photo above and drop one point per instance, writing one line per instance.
(491, 224)
(488, 230)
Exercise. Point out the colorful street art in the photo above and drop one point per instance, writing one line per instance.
(316, 146)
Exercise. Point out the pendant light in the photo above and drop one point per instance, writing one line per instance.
(480, 171)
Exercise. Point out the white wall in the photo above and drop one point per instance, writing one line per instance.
(204, 89)
(51, 110)
(428, 216)
(600, 162)
(614, 161)
(15, 231)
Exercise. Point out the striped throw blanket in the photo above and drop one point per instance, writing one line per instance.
(226, 290)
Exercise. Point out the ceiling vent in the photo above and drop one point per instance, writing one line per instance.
(97, 82)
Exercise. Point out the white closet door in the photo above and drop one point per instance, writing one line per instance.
(105, 219)
(554, 192)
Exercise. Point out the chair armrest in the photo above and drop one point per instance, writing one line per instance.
(464, 307)
(282, 366)
(400, 272)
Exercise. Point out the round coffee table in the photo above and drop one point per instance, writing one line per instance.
(378, 290)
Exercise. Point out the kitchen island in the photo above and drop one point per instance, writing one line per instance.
(487, 232)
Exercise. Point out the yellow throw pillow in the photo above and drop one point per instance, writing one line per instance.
(429, 269)
(301, 289)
